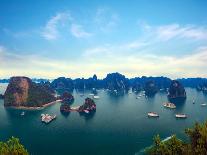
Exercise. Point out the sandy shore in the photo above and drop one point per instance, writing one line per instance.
(35, 108)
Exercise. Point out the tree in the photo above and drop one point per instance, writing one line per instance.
(12, 147)
(174, 146)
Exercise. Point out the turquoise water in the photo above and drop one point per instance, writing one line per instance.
(119, 126)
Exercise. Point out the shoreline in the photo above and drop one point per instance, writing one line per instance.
(34, 108)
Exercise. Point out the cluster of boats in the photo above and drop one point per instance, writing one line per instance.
(154, 114)
(170, 106)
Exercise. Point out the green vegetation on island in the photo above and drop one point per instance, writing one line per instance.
(197, 144)
(12, 147)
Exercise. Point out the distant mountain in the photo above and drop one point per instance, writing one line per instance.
(150, 88)
(63, 83)
(116, 81)
(4, 80)
(192, 82)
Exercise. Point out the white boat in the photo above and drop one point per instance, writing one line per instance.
(81, 95)
(23, 113)
(203, 104)
(180, 115)
(152, 114)
(169, 105)
(86, 111)
(46, 118)
(91, 94)
(96, 97)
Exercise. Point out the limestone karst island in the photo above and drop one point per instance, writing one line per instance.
(103, 77)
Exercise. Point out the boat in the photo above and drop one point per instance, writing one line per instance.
(81, 95)
(46, 118)
(86, 111)
(152, 114)
(74, 108)
(23, 113)
(96, 97)
(91, 94)
(203, 104)
(180, 115)
(169, 105)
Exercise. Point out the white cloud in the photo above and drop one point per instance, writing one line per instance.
(79, 32)
(106, 19)
(167, 32)
(97, 51)
(51, 29)
(190, 65)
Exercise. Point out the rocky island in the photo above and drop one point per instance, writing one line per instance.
(88, 107)
(67, 98)
(176, 92)
(116, 82)
(150, 88)
(23, 93)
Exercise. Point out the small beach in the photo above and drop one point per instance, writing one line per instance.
(34, 108)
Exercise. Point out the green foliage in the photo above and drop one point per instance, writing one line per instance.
(12, 147)
(198, 138)
(38, 95)
(174, 146)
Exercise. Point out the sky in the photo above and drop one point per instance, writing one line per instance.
(49, 39)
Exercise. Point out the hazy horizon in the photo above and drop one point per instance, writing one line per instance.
(44, 39)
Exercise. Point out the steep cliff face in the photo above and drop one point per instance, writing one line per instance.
(21, 91)
(17, 91)
(116, 81)
(176, 90)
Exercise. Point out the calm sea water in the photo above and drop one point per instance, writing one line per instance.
(120, 125)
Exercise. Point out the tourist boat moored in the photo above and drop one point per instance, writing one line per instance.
(203, 104)
(96, 97)
(169, 105)
(152, 114)
(23, 113)
(180, 115)
(46, 118)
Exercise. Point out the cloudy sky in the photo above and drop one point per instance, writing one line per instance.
(79, 38)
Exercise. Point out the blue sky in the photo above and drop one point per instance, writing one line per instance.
(79, 38)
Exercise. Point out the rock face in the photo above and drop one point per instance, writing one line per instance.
(89, 105)
(65, 108)
(21, 91)
(67, 98)
(150, 88)
(116, 81)
(176, 91)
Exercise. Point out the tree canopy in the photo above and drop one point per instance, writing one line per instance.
(197, 143)
(12, 147)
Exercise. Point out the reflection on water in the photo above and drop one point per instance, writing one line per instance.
(119, 126)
